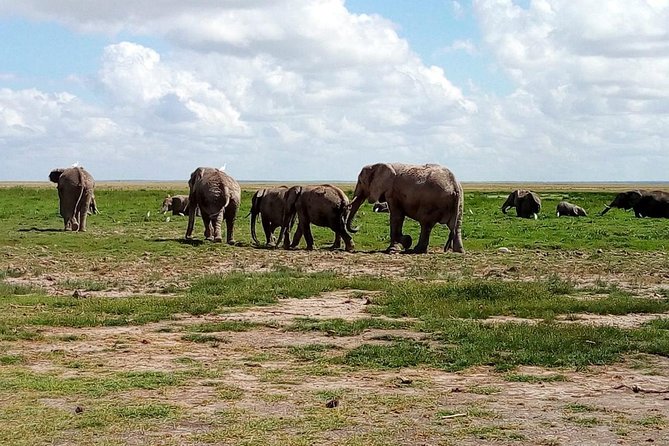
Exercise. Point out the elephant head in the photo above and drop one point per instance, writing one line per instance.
(624, 200)
(255, 210)
(374, 181)
(289, 214)
(55, 174)
(167, 204)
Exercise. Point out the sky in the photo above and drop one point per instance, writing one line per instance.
(312, 90)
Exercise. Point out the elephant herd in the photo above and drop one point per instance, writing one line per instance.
(429, 194)
(654, 204)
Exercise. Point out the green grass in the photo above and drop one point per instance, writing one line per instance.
(341, 327)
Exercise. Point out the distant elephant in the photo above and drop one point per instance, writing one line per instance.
(645, 203)
(429, 194)
(566, 209)
(271, 205)
(75, 192)
(527, 203)
(218, 197)
(380, 207)
(323, 205)
(178, 204)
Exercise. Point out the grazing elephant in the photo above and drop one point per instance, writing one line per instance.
(380, 207)
(323, 205)
(218, 196)
(75, 192)
(429, 194)
(527, 203)
(271, 205)
(566, 209)
(178, 204)
(645, 203)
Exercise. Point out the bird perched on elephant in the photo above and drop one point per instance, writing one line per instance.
(566, 209)
(527, 203)
(429, 194)
(218, 196)
(76, 195)
(178, 204)
(270, 204)
(654, 204)
(323, 205)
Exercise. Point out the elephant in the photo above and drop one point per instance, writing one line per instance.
(429, 194)
(566, 209)
(380, 207)
(323, 205)
(527, 203)
(271, 205)
(178, 204)
(76, 196)
(218, 197)
(93, 208)
(645, 203)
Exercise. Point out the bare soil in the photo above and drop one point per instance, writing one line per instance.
(411, 406)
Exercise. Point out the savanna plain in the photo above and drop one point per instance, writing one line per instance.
(129, 335)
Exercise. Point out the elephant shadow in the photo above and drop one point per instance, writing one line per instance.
(34, 229)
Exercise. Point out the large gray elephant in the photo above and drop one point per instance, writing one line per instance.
(178, 204)
(527, 203)
(323, 205)
(270, 204)
(645, 203)
(429, 194)
(566, 209)
(218, 196)
(76, 194)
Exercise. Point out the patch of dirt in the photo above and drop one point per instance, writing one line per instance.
(632, 320)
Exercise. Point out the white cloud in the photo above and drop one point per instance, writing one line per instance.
(285, 89)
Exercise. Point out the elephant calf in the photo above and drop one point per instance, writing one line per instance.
(178, 204)
(324, 205)
(566, 209)
(527, 203)
(76, 196)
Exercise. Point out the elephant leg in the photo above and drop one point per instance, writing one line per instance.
(217, 222)
(348, 241)
(83, 214)
(308, 237)
(230, 215)
(337, 241)
(424, 240)
(296, 238)
(396, 236)
(206, 221)
(267, 228)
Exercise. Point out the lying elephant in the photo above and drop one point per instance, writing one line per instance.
(645, 203)
(218, 196)
(429, 194)
(76, 196)
(527, 203)
(178, 204)
(270, 204)
(566, 209)
(324, 205)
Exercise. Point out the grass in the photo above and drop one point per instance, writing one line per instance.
(246, 393)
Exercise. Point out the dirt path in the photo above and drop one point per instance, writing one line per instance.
(261, 374)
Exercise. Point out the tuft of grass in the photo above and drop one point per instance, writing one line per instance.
(215, 327)
(202, 338)
(310, 352)
(146, 411)
(534, 379)
(11, 359)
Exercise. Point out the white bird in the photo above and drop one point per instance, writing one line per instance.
(222, 169)
(76, 164)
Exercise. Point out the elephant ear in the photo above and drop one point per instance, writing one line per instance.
(55, 174)
(195, 176)
(380, 181)
(634, 197)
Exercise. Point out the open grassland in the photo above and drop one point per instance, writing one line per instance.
(128, 335)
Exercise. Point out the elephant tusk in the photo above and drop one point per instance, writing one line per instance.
(536, 217)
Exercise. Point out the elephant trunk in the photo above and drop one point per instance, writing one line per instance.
(353, 209)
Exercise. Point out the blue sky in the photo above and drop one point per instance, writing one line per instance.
(498, 90)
